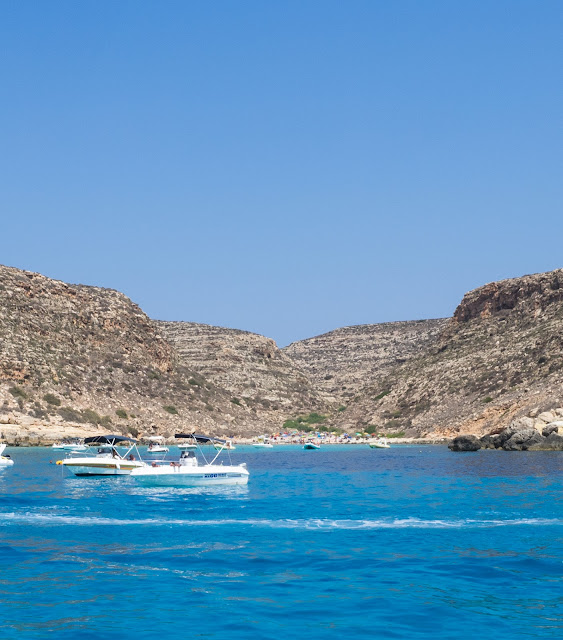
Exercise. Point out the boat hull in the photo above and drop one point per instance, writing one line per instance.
(69, 447)
(5, 462)
(204, 476)
(310, 446)
(379, 445)
(85, 467)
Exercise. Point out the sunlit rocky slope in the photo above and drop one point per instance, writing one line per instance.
(79, 355)
(499, 357)
(249, 366)
(344, 361)
(75, 357)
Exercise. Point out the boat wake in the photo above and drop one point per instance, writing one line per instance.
(50, 519)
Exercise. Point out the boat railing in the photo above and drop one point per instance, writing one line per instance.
(199, 439)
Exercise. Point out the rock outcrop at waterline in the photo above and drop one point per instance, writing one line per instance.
(523, 434)
(465, 443)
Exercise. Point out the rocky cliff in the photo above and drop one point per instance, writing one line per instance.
(499, 357)
(79, 357)
(344, 361)
(249, 366)
(72, 355)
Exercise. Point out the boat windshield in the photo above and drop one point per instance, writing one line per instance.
(105, 450)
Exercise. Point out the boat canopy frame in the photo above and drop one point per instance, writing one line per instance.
(201, 439)
(111, 440)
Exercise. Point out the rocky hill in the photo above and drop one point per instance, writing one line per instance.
(344, 361)
(498, 358)
(76, 357)
(249, 366)
(80, 355)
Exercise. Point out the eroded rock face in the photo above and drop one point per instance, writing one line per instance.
(88, 355)
(522, 440)
(522, 435)
(514, 428)
(551, 428)
(500, 356)
(489, 441)
(249, 366)
(50, 328)
(529, 294)
(344, 361)
(465, 443)
(524, 422)
(71, 351)
(553, 442)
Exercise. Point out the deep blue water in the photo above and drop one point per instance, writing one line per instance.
(343, 542)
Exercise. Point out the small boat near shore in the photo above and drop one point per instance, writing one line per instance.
(107, 461)
(311, 445)
(5, 461)
(263, 443)
(379, 444)
(187, 447)
(228, 445)
(156, 446)
(70, 445)
(188, 472)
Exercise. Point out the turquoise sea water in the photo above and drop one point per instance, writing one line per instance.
(343, 542)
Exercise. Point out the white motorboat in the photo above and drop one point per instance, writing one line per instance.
(228, 444)
(107, 461)
(263, 443)
(311, 445)
(5, 461)
(70, 445)
(188, 472)
(379, 444)
(187, 447)
(156, 446)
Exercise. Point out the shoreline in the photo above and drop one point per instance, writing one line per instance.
(29, 433)
(390, 441)
(36, 441)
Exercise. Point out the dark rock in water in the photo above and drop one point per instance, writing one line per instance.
(505, 435)
(516, 426)
(519, 437)
(549, 429)
(553, 442)
(465, 443)
(489, 441)
(522, 440)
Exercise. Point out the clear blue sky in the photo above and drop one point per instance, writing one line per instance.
(282, 167)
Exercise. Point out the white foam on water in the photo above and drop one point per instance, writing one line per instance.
(50, 519)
